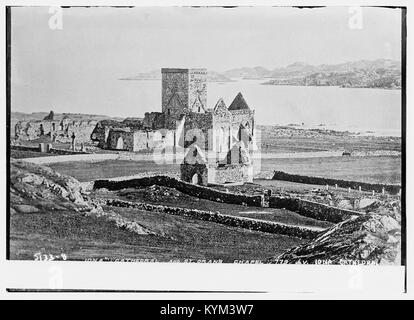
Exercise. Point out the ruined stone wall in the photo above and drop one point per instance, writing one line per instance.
(231, 173)
(60, 131)
(189, 170)
(243, 117)
(156, 139)
(199, 125)
(100, 134)
(154, 121)
(141, 140)
(101, 131)
(120, 140)
(222, 129)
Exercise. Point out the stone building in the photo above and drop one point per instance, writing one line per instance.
(215, 144)
(59, 129)
(224, 156)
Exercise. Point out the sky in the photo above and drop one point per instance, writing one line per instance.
(117, 42)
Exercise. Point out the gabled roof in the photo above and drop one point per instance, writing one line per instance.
(239, 103)
(220, 105)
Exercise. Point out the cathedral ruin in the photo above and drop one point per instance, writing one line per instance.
(214, 145)
(216, 142)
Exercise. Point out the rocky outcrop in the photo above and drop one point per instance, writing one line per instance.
(365, 239)
(44, 189)
(36, 189)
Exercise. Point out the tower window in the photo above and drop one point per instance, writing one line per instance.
(168, 111)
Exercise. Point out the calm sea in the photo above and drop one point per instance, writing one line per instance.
(351, 109)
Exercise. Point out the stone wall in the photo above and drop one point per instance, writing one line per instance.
(303, 207)
(312, 209)
(57, 130)
(120, 140)
(279, 175)
(101, 131)
(231, 173)
(233, 221)
(243, 117)
(189, 170)
(154, 121)
(198, 126)
(52, 150)
(184, 187)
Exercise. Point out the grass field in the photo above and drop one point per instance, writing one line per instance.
(80, 238)
(88, 171)
(171, 197)
(22, 154)
(364, 169)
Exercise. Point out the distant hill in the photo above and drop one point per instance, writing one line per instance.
(248, 73)
(212, 76)
(382, 73)
(21, 116)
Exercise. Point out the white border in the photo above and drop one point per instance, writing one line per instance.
(277, 281)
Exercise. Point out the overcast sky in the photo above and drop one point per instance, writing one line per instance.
(217, 38)
(118, 42)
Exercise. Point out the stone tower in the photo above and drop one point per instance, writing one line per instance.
(183, 91)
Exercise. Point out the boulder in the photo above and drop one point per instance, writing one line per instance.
(32, 179)
(368, 203)
(25, 208)
(345, 204)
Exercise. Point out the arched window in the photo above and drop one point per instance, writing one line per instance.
(196, 179)
(222, 140)
(120, 143)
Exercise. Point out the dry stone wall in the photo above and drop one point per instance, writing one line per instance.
(280, 175)
(187, 188)
(239, 222)
(312, 209)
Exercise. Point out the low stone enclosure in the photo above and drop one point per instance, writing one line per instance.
(51, 150)
(184, 187)
(303, 207)
(283, 176)
(241, 222)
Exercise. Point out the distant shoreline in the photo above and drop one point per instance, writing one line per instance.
(323, 86)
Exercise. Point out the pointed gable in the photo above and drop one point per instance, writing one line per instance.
(239, 103)
(220, 106)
